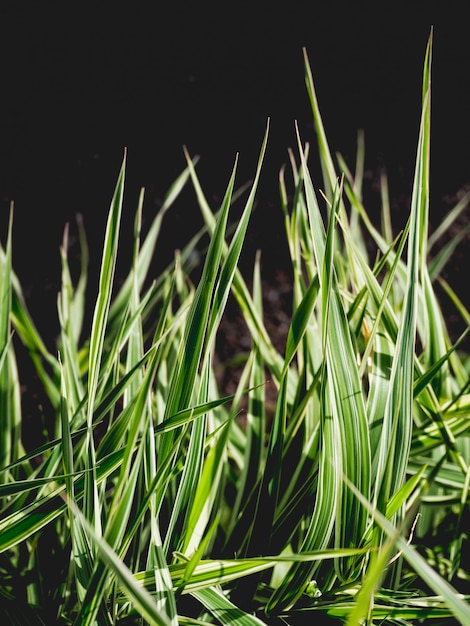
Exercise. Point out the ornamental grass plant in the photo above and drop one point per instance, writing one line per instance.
(149, 501)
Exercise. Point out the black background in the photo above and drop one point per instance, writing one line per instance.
(78, 84)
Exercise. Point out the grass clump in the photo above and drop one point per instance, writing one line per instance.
(149, 502)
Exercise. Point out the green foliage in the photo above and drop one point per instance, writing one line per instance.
(150, 502)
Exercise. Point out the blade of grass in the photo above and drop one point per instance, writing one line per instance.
(398, 418)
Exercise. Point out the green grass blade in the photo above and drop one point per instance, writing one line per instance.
(183, 381)
(7, 432)
(225, 611)
(91, 501)
(326, 160)
(398, 419)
